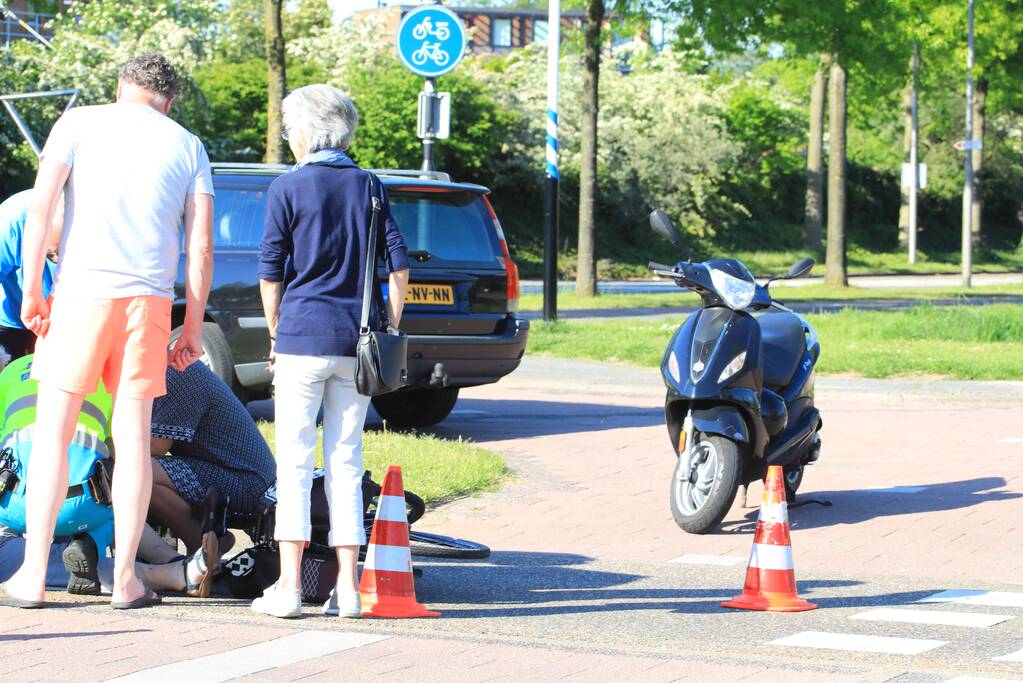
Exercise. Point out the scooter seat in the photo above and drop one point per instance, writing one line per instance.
(783, 342)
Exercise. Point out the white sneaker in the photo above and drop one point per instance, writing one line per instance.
(279, 602)
(349, 607)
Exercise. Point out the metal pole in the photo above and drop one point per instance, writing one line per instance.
(968, 162)
(428, 140)
(35, 34)
(550, 195)
(913, 159)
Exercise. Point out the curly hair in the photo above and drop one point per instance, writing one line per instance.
(152, 71)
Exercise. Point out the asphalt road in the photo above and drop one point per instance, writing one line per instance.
(583, 584)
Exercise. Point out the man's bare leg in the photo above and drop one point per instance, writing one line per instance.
(171, 510)
(56, 417)
(133, 484)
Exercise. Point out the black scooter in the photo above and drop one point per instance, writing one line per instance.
(739, 373)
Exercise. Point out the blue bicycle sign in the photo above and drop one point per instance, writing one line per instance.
(430, 41)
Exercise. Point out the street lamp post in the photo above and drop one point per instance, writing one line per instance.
(968, 162)
(550, 195)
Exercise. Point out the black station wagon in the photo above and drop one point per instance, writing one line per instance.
(460, 313)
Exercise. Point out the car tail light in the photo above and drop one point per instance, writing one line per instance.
(509, 265)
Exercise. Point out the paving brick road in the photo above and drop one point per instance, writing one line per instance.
(924, 481)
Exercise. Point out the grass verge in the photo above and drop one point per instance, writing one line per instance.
(569, 301)
(435, 469)
(967, 342)
(631, 263)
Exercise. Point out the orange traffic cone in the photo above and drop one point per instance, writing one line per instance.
(770, 579)
(386, 588)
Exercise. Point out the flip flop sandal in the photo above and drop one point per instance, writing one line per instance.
(204, 562)
(147, 600)
(20, 603)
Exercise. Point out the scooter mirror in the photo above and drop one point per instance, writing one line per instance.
(663, 226)
(800, 268)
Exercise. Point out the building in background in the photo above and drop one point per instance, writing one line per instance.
(11, 30)
(490, 29)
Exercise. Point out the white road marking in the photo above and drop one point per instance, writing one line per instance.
(244, 661)
(712, 560)
(979, 679)
(913, 616)
(1016, 656)
(987, 598)
(1012, 439)
(895, 489)
(859, 643)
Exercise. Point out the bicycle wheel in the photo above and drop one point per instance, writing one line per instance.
(435, 545)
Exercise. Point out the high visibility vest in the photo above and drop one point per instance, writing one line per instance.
(18, 394)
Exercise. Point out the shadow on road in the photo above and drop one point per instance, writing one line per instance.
(855, 506)
(492, 419)
(522, 584)
(24, 637)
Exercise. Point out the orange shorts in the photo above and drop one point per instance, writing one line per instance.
(123, 341)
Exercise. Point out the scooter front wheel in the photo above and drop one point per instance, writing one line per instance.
(701, 500)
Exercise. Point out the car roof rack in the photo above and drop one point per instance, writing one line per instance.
(243, 168)
(408, 173)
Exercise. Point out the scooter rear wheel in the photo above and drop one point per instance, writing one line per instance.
(699, 503)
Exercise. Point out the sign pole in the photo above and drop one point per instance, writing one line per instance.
(968, 163)
(428, 138)
(914, 173)
(550, 195)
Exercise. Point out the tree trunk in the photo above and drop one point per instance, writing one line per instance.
(979, 113)
(907, 141)
(586, 276)
(835, 270)
(813, 222)
(276, 80)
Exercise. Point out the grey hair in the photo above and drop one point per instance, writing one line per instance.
(322, 115)
(153, 72)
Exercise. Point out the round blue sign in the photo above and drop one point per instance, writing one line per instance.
(430, 41)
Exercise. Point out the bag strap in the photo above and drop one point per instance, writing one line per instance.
(369, 276)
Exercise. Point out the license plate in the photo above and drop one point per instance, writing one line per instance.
(430, 295)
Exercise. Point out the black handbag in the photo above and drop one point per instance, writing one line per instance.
(381, 356)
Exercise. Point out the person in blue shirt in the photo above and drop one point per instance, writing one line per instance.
(17, 340)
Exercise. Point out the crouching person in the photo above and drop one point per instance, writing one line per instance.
(86, 507)
(204, 445)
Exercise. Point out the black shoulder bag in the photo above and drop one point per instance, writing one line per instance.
(381, 357)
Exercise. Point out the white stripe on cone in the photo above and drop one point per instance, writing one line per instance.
(771, 556)
(391, 509)
(388, 558)
(776, 513)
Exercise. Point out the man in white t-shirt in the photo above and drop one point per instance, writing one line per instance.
(132, 175)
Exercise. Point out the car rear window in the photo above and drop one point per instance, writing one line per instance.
(451, 226)
(238, 217)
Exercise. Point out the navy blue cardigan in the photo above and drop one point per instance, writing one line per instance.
(317, 217)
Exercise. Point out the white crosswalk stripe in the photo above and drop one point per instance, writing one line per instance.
(251, 659)
(919, 616)
(1016, 656)
(854, 642)
(986, 598)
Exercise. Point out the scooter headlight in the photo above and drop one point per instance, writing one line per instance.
(732, 367)
(736, 293)
(673, 368)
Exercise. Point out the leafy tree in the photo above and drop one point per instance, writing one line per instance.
(862, 34)
(277, 81)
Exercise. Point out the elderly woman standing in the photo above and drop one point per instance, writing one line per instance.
(318, 217)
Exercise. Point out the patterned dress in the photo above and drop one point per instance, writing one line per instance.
(215, 440)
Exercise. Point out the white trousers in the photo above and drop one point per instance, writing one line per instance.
(301, 385)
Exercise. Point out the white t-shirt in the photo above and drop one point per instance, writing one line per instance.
(131, 169)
